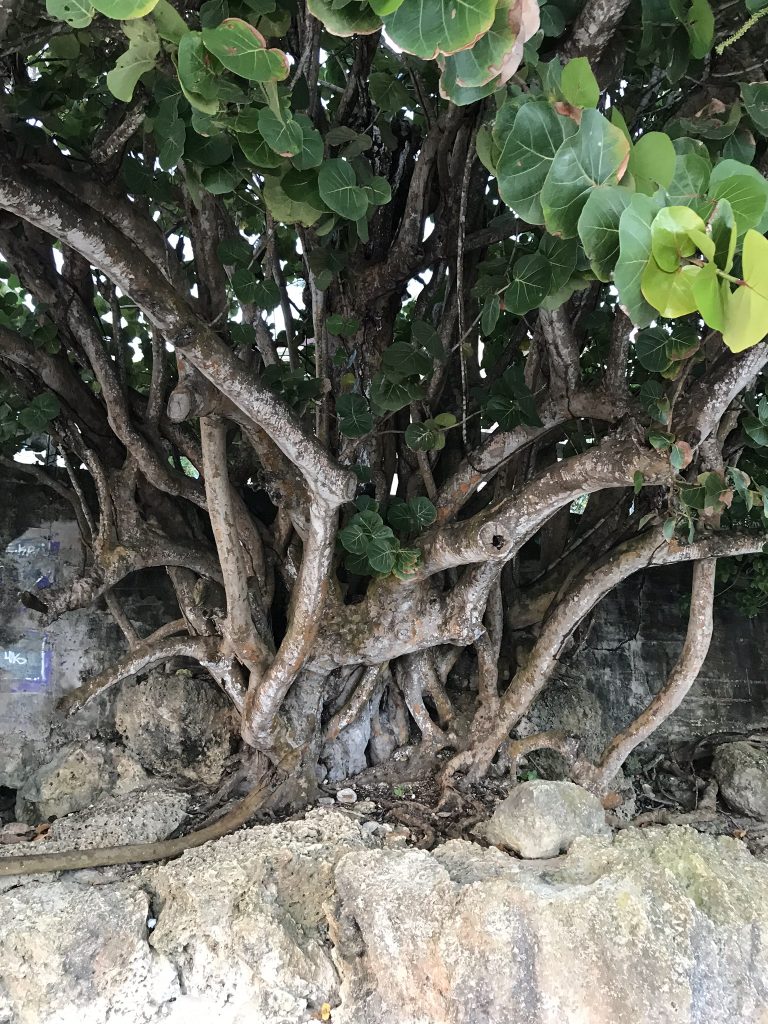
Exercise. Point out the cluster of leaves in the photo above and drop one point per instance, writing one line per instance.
(370, 544)
(478, 44)
(740, 495)
(653, 215)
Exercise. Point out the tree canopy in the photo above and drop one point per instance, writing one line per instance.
(388, 328)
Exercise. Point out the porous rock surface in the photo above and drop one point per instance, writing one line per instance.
(542, 819)
(660, 926)
(78, 775)
(177, 725)
(741, 771)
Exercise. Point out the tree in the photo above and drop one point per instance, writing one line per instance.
(387, 327)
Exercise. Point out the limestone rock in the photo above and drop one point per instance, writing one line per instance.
(78, 776)
(741, 771)
(244, 922)
(177, 726)
(663, 926)
(541, 819)
(658, 926)
(70, 952)
(143, 816)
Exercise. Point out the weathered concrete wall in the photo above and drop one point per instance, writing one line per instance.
(40, 547)
(622, 657)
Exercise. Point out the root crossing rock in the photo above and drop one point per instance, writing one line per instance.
(660, 926)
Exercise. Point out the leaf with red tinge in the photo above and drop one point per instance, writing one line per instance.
(243, 50)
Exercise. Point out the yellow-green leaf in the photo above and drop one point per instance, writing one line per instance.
(671, 294)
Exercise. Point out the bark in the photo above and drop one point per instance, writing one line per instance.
(680, 680)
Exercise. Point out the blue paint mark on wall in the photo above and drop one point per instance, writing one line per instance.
(26, 664)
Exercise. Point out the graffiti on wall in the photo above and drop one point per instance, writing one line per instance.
(26, 664)
(26, 655)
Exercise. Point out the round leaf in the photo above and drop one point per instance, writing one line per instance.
(243, 50)
(427, 28)
(529, 284)
(597, 155)
(578, 84)
(339, 190)
(527, 152)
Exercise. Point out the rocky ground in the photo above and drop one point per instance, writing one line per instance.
(379, 901)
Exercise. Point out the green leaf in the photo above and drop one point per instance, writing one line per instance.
(381, 556)
(498, 53)
(526, 156)
(221, 181)
(283, 135)
(744, 188)
(671, 236)
(578, 83)
(678, 457)
(689, 183)
(139, 58)
(561, 255)
(424, 335)
(339, 190)
(722, 227)
(364, 529)
(355, 417)
(285, 209)
(653, 157)
(388, 93)
(671, 294)
(746, 315)
(124, 10)
(196, 76)
(77, 13)
(311, 152)
(391, 394)
(651, 349)
(406, 360)
(712, 297)
(668, 529)
(257, 152)
(422, 437)
(654, 400)
(529, 284)
(490, 315)
(168, 22)
(427, 28)
(235, 251)
(638, 480)
(699, 23)
(740, 146)
(243, 49)
(596, 156)
(349, 20)
(423, 512)
(634, 254)
(598, 228)
(301, 186)
(661, 442)
(755, 97)
(756, 430)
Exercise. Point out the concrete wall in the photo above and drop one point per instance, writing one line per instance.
(623, 655)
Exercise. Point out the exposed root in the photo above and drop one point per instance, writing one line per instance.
(140, 853)
(560, 742)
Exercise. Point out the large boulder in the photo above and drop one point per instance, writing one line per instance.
(659, 926)
(542, 819)
(177, 725)
(79, 775)
(741, 771)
